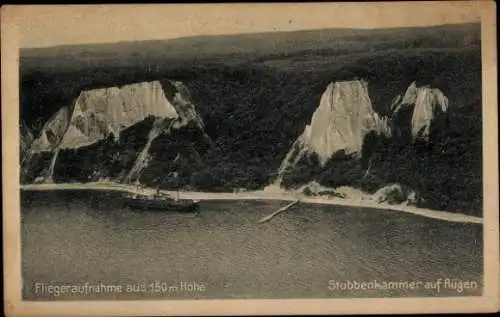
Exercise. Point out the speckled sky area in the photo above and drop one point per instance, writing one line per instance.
(43, 26)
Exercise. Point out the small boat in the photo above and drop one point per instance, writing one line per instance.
(160, 202)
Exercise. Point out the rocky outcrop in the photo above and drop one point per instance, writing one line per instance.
(396, 194)
(315, 189)
(100, 115)
(25, 139)
(53, 131)
(185, 108)
(339, 125)
(392, 194)
(417, 111)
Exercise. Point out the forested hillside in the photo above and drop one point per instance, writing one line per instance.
(256, 93)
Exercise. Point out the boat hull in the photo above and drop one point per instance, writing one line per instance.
(172, 206)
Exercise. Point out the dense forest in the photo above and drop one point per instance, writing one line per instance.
(257, 101)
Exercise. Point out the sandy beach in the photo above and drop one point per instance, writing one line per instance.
(266, 194)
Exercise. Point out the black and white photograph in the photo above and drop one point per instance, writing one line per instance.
(233, 157)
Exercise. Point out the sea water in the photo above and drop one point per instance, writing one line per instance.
(85, 245)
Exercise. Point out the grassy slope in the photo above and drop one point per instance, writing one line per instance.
(257, 92)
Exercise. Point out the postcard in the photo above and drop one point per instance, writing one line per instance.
(250, 159)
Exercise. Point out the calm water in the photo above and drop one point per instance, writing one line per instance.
(78, 238)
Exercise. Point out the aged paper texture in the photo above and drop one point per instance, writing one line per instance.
(250, 159)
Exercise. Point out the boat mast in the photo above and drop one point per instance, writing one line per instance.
(176, 176)
(178, 184)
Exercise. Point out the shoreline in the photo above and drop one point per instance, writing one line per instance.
(262, 195)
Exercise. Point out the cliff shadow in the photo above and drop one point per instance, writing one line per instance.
(174, 157)
(105, 159)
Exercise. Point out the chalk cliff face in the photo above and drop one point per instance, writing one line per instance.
(101, 116)
(340, 123)
(417, 110)
(53, 131)
(98, 113)
(347, 142)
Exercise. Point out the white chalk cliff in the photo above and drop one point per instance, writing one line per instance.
(99, 113)
(186, 114)
(340, 123)
(53, 131)
(428, 103)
